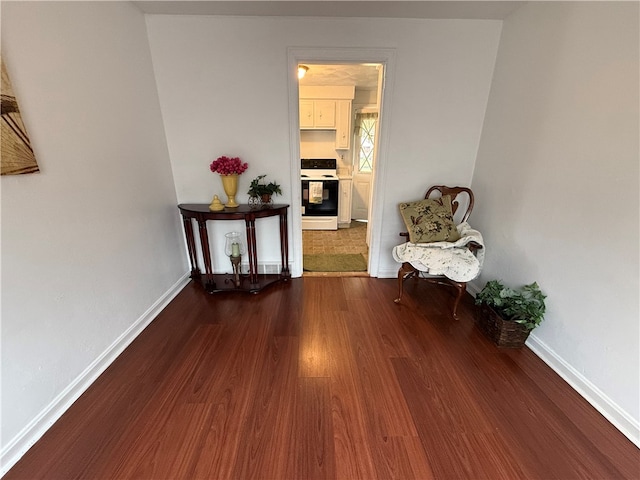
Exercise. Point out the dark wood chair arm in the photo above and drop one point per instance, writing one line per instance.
(404, 234)
(474, 246)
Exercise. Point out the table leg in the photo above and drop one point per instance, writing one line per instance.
(209, 284)
(251, 249)
(191, 247)
(284, 245)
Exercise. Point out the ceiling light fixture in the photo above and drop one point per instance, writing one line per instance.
(302, 70)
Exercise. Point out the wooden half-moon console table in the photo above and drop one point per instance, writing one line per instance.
(253, 282)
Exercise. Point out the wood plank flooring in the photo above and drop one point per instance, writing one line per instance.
(327, 378)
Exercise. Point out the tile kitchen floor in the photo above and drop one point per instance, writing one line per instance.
(343, 240)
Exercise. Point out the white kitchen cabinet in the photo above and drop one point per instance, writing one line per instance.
(343, 124)
(318, 114)
(324, 113)
(344, 202)
(306, 114)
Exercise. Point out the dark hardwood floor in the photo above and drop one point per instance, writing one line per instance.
(323, 378)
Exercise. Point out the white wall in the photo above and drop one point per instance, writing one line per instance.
(92, 242)
(222, 83)
(557, 189)
(319, 144)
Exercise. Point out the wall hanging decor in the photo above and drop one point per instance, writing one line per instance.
(16, 154)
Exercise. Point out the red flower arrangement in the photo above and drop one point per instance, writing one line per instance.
(228, 166)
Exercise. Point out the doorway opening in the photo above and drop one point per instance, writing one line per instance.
(339, 108)
(310, 56)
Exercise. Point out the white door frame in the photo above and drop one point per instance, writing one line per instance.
(311, 55)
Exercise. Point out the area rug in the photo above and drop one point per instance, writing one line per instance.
(338, 262)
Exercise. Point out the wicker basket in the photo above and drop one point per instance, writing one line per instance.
(503, 333)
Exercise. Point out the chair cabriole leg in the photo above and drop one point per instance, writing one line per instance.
(460, 287)
(405, 270)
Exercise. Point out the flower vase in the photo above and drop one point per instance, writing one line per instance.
(230, 185)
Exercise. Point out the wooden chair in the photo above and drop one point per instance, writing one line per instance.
(407, 270)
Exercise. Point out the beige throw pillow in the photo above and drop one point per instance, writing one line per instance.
(429, 220)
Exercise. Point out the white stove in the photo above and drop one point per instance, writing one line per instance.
(319, 193)
(318, 175)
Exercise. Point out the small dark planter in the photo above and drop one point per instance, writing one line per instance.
(502, 332)
(265, 198)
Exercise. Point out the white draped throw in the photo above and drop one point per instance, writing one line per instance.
(451, 259)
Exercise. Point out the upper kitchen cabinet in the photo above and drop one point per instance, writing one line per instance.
(318, 114)
(306, 114)
(343, 124)
(328, 108)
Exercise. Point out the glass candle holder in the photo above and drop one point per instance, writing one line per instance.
(234, 246)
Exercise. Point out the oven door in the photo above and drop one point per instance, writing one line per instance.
(314, 204)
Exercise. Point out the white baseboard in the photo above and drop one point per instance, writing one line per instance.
(33, 431)
(388, 273)
(620, 419)
(473, 288)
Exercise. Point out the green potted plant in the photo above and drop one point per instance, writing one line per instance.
(261, 192)
(508, 315)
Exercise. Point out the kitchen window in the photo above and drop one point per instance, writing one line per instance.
(365, 132)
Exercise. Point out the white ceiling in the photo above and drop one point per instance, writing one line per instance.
(452, 9)
(361, 76)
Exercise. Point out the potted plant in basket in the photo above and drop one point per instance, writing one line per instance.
(260, 192)
(507, 315)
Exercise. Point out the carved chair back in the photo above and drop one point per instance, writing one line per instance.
(457, 196)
